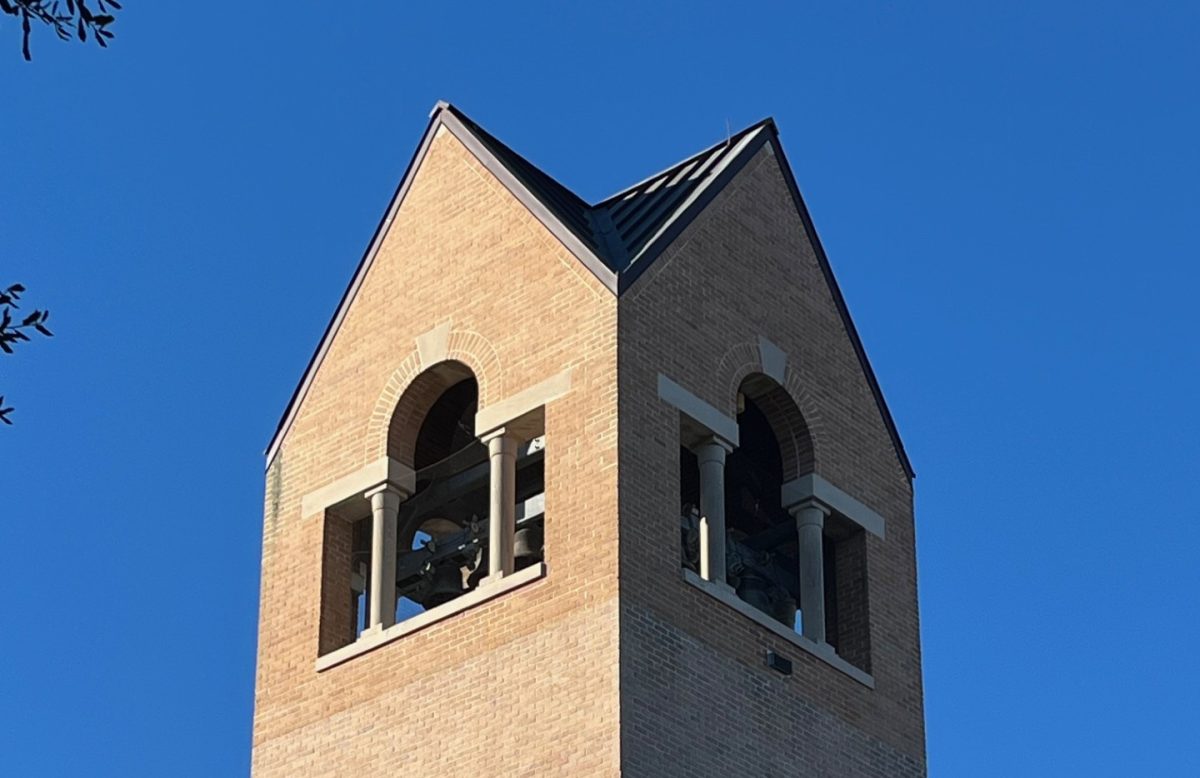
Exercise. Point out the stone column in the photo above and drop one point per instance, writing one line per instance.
(810, 529)
(710, 454)
(385, 508)
(502, 503)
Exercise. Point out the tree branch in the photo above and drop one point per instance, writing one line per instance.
(77, 20)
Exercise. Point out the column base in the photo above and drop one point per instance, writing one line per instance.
(492, 579)
(723, 587)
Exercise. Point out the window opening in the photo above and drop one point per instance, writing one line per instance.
(762, 550)
(442, 527)
(761, 560)
(446, 518)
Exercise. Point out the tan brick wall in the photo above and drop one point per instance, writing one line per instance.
(522, 685)
(697, 698)
(561, 677)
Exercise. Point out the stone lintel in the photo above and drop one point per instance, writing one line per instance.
(814, 487)
(353, 486)
(523, 414)
(699, 420)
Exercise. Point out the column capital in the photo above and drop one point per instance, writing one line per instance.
(712, 446)
(388, 487)
(813, 486)
(810, 511)
(500, 434)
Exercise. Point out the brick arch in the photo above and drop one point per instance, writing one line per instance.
(793, 384)
(411, 384)
(794, 415)
(477, 353)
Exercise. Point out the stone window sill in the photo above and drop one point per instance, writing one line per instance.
(822, 651)
(369, 641)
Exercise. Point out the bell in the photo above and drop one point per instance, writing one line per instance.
(769, 598)
(527, 544)
(783, 608)
(445, 585)
(756, 591)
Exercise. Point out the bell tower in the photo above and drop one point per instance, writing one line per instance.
(589, 489)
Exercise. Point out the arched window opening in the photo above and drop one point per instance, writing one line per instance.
(763, 558)
(761, 563)
(448, 428)
(439, 534)
(443, 537)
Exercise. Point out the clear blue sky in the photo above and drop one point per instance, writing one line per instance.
(1008, 193)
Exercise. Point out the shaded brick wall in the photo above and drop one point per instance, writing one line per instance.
(338, 605)
(522, 685)
(851, 630)
(696, 698)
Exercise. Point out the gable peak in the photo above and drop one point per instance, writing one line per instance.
(631, 227)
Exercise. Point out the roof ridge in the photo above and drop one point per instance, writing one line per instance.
(728, 142)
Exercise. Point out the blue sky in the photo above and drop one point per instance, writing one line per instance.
(1008, 194)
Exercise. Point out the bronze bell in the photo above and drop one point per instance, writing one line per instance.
(756, 591)
(446, 584)
(527, 544)
(784, 608)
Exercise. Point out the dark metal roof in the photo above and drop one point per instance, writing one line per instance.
(616, 238)
(642, 212)
(621, 229)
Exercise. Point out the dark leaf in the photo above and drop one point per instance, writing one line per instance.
(4, 415)
(43, 330)
(18, 288)
(71, 6)
(82, 31)
(31, 318)
(5, 319)
(114, 4)
(7, 348)
(103, 19)
(100, 40)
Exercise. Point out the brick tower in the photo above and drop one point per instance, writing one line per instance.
(573, 489)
